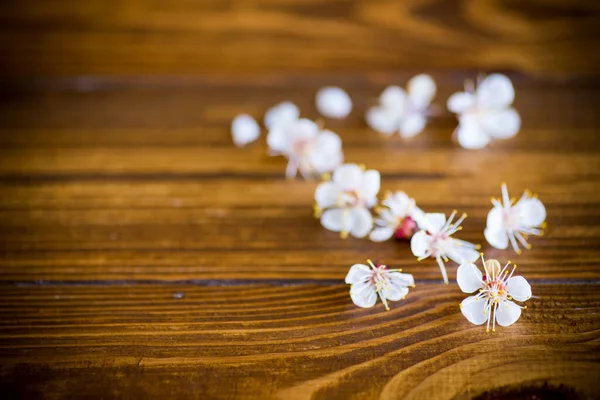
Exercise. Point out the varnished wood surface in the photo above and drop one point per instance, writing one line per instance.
(143, 183)
(142, 255)
(139, 37)
(290, 342)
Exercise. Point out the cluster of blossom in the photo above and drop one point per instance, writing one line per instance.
(493, 302)
(310, 149)
(347, 197)
(345, 200)
(484, 113)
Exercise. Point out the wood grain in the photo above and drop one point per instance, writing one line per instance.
(143, 256)
(70, 37)
(142, 183)
(288, 342)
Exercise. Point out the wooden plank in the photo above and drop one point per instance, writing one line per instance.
(305, 341)
(179, 37)
(196, 110)
(122, 239)
(142, 183)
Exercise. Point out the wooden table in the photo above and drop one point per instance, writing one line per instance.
(144, 256)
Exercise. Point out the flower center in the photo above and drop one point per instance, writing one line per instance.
(496, 291)
(510, 218)
(349, 198)
(438, 244)
(301, 146)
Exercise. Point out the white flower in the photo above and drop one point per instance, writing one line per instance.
(367, 283)
(399, 217)
(309, 149)
(399, 111)
(333, 102)
(435, 240)
(510, 221)
(485, 114)
(282, 113)
(496, 290)
(244, 130)
(343, 203)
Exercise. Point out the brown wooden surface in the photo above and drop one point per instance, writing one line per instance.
(73, 37)
(145, 256)
(289, 342)
(142, 255)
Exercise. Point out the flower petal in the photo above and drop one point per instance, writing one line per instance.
(337, 220)
(420, 217)
(382, 120)
(329, 142)
(395, 289)
(327, 152)
(362, 222)
(399, 203)
(244, 130)
(501, 124)
(421, 90)
(381, 234)
(371, 181)
(469, 277)
(519, 288)
(393, 98)
(495, 91)
(434, 222)
(359, 273)
(497, 238)
(507, 313)
(473, 310)
(333, 102)
(419, 244)
(412, 124)
(402, 279)
(459, 253)
(531, 212)
(363, 294)
(279, 140)
(281, 113)
(460, 102)
(327, 194)
(304, 129)
(495, 219)
(470, 134)
(348, 176)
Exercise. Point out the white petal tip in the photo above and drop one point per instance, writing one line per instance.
(333, 102)
(244, 130)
